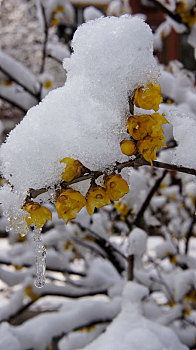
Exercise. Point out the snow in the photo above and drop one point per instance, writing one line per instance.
(57, 50)
(18, 96)
(130, 330)
(19, 72)
(184, 129)
(38, 332)
(58, 126)
(91, 12)
(137, 242)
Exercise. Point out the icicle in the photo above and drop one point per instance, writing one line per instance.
(40, 259)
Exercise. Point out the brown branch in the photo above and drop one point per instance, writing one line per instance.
(110, 250)
(190, 231)
(56, 339)
(45, 38)
(15, 104)
(174, 16)
(130, 268)
(139, 219)
(134, 163)
(19, 83)
(63, 270)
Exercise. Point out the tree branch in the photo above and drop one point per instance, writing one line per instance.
(174, 16)
(134, 163)
(139, 219)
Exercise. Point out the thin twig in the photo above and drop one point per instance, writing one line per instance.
(134, 163)
(15, 104)
(45, 38)
(139, 218)
(19, 83)
(174, 16)
(190, 230)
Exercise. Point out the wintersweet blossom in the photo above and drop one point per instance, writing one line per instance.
(140, 126)
(96, 197)
(149, 97)
(38, 214)
(148, 146)
(128, 147)
(116, 186)
(73, 169)
(69, 203)
(29, 292)
(188, 16)
(122, 208)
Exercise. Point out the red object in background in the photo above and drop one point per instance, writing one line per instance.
(154, 17)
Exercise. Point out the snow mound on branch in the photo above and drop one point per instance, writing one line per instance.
(86, 118)
(130, 330)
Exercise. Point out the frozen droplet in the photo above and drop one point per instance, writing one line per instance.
(40, 259)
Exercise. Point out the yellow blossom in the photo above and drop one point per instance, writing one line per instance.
(116, 186)
(87, 329)
(96, 197)
(149, 97)
(149, 145)
(54, 22)
(188, 16)
(29, 292)
(38, 214)
(69, 203)
(191, 296)
(140, 126)
(73, 170)
(60, 8)
(128, 147)
(47, 84)
(122, 208)
(8, 83)
(171, 303)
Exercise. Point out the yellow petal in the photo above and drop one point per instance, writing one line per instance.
(96, 197)
(149, 97)
(38, 214)
(69, 203)
(73, 170)
(116, 187)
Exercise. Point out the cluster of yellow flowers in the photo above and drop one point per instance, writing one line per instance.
(145, 130)
(55, 20)
(146, 136)
(69, 202)
(188, 16)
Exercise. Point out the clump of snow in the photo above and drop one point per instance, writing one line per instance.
(85, 119)
(130, 330)
(137, 242)
(91, 12)
(184, 129)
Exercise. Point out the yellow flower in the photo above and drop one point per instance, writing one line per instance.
(140, 126)
(128, 147)
(96, 197)
(60, 8)
(54, 22)
(73, 170)
(69, 203)
(8, 83)
(149, 145)
(149, 97)
(29, 292)
(188, 16)
(47, 84)
(116, 186)
(122, 208)
(38, 214)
